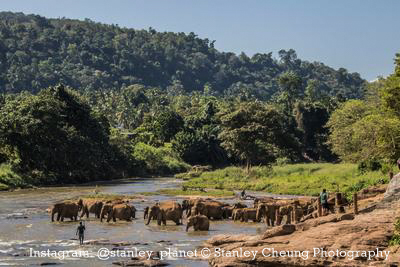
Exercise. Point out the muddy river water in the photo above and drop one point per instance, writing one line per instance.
(25, 225)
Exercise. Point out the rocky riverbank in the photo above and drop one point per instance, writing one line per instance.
(363, 238)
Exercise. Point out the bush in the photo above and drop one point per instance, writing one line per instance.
(8, 178)
(395, 240)
(282, 161)
(369, 165)
(159, 160)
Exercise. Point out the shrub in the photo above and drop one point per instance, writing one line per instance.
(369, 165)
(8, 178)
(395, 240)
(282, 161)
(159, 159)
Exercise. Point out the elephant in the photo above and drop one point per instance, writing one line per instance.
(117, 211)
(249, 214)
(259, 200)
(210, 209)
(268, 212)
(187, 205)
(133, 211)
(227, 212)
(237, 214)
(284, 211)
(239, 205)
(262, 210)
(146, 213)
(271, 214)
(168, 210)
(199, 223)
(90, 206)
(298, 213)
(67, 209)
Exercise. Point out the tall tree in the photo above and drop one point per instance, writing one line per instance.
(254, 133)
(54, 137)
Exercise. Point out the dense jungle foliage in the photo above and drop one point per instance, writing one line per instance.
(36, 53)
(86, 101)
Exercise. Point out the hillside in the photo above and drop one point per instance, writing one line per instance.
(36, 52)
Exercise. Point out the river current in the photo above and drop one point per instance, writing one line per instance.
(25, 225)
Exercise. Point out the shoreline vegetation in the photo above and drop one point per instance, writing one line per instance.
(306, 179)
(291, 179)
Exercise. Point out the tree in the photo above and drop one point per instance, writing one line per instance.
(342, 131)
(390, 94)
(190, 147)
(290, 83)
(253, 133)
(311, 118)
(166, 124)
(377, 136)
(53, 137)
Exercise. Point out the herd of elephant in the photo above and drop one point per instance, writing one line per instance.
(117, 209)
(198, 211)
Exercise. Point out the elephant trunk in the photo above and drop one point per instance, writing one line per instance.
(149, 216)
(52, 214)
(260, 213)
(102, 213)
(187, 227)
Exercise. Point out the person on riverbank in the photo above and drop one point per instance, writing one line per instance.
(243, 194)
(80, 231)
(324, 201)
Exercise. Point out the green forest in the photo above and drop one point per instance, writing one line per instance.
(83, 101)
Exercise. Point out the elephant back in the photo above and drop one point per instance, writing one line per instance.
(170, 205)
(70, 209)
(122, 211)
(250, 213)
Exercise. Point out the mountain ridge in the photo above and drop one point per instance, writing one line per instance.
(36, 52)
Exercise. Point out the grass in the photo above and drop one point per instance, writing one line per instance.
(293, 179)
(395, 239)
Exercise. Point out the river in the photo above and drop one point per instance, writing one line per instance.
(25, 224)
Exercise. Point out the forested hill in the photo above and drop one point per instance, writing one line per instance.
(36, 52)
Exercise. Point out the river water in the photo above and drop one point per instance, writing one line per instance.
(25, 224)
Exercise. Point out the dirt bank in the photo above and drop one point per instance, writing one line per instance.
(368, 231)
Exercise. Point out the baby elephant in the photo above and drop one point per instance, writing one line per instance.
(199, 223)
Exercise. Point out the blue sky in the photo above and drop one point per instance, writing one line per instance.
(359, 35)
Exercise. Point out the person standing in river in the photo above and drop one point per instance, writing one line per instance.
(80, 231)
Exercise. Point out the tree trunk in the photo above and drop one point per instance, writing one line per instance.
(248, 166)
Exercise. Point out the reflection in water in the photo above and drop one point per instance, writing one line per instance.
(25, 224)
